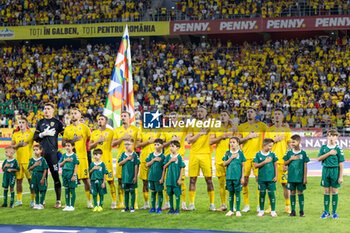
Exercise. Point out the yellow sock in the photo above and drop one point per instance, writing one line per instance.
(88, 195)
(287, 202)
(258, 194)
(166, 197)
(184, 192)
(222, 191)
(120, 194)
(211, 195)
(19, 196)
(191, 196)
(32, 196)
(98, 197)
(113, 192)
(245, 192)
(145, 196)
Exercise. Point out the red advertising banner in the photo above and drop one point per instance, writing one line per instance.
(309, 23)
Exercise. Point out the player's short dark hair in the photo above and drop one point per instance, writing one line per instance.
(98, 152)
(236, 139)
(253, 108)
(49, 104)
(104, 117)
(129, 140)
(158, 140)
(279, 110)
(332, 132)
(227, 111)
(202, 106)
(9, 148)
(77, 109)
(23, 118)
(296, 137)
(40, 148)
(126, 112)
(70, 142)
(175, 143)
(267, 141)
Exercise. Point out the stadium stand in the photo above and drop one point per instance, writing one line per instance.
(38, 12)
(230, 9)
(307, 78)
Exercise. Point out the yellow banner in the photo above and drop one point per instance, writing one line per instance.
(6, 132)
(84, 30)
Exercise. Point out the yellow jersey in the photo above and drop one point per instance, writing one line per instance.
(168, 136)
(146, 150)
(105, 146)
(201, 146)
(222, 146)
(25, 153)
(120, 132)
(279, 148)
(254, 145)
(80, 130)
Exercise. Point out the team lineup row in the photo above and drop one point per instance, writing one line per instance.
(249, 143)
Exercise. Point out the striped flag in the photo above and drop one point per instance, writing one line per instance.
(120, 90)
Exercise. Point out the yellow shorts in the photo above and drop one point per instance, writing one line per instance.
(200, 161)
(220, 170)
(110, 175)
(282, 177)
(118, 171)
(143, 171)
(83, 169)
(23, 170)
(248, 165)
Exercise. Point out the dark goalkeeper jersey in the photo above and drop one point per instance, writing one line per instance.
(49, 143)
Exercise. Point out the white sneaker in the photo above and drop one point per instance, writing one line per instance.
(238, 214)
(212, 207)
(166, 206)
(258, 209)
(146, 206)
(71, 208)
(261, 213)
(66, 208)
(191, 207)
(40, 207)
(273, 214)
(32, 203)
(18, 203)
(113, 205)
(35, 207)
(230, 213)
(89, 205)
(184, 207)
(246, 209)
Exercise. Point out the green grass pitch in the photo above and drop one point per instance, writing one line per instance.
(201, 218)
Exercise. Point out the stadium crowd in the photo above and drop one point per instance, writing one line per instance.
(229, 9)
(34, 12)
(309, 79)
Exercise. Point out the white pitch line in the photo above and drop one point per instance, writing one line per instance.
(29, 192)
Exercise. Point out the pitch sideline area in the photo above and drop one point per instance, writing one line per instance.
(314, 167)
(47, 229)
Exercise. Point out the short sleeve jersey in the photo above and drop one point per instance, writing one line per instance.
(296, 167)
(332, 160)
(234, 169)
(266, 172)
